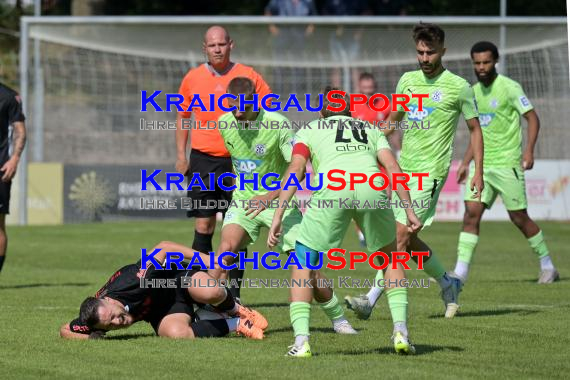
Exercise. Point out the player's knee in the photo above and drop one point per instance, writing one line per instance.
(470, 219)
(519, 218)
(205, 225)
(176, 331)
(218, 294)
(227, 246)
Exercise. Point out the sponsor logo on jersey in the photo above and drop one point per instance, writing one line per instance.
(485, 119)
(247, 166)
(260, 150)
(416, 115)
(524, 101)
(437, 96)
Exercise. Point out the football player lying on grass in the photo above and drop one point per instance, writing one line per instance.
(122, 301)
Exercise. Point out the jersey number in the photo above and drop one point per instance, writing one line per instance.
(358, 133)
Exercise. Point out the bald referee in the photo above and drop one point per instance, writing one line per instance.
(11, 114)
(208, 152)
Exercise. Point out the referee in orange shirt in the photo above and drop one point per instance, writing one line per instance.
(208, 152)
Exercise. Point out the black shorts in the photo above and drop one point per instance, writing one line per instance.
(205, 164)
(179, 301)
(5, 196)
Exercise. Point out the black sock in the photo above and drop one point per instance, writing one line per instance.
(237, 275)
(227, 305)
(210, 328)
(2, 262)
(202, 242)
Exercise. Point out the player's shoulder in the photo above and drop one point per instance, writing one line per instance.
(306, 132)
(410, 76)
(224, 122)
(7, 92)
(195, 73)
(274, 116)
(455, 79)
(228, 116)
(508, 82)
(240, 69)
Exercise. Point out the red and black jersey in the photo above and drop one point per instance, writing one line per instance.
(147, 304)
(125, 286)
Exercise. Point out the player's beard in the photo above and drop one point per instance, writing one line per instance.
(430, 68)
(487, 76)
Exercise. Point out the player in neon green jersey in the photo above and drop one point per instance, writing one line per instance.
(349, 147)
(501, 102)
(430, 151)
(257, 149)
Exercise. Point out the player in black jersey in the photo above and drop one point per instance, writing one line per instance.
(122, 301)
(10, 115)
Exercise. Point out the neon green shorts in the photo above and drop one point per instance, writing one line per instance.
(426, 199)
(509, 183)
(324, 228)
(291, 222)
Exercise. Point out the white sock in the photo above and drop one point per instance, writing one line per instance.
(300, 339)
(232, 323)
(462, 270)
(360, 235)
(444, 281)
(546, 263)
(339, 321)
(401, 327)
(373, 294)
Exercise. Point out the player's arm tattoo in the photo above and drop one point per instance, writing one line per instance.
(19, 138)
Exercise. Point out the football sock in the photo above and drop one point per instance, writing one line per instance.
(433, 267)
(2, 258)
(546, 263)
(300, 339)
(539, 247)
(376, 291)
(210, 328)
(236, 274)
(333, 310)
(398, 303)
(228, 305)
(401, 327)
(461, 270)
(232, 323)
(465, 248)
(300, 313)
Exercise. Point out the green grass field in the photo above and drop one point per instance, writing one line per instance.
(508, 325)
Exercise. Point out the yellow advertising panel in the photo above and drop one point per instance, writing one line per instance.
(45, 193)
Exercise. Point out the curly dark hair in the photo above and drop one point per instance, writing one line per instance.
(429, 33)
(483, 46)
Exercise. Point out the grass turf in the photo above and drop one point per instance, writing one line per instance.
(508, 325)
